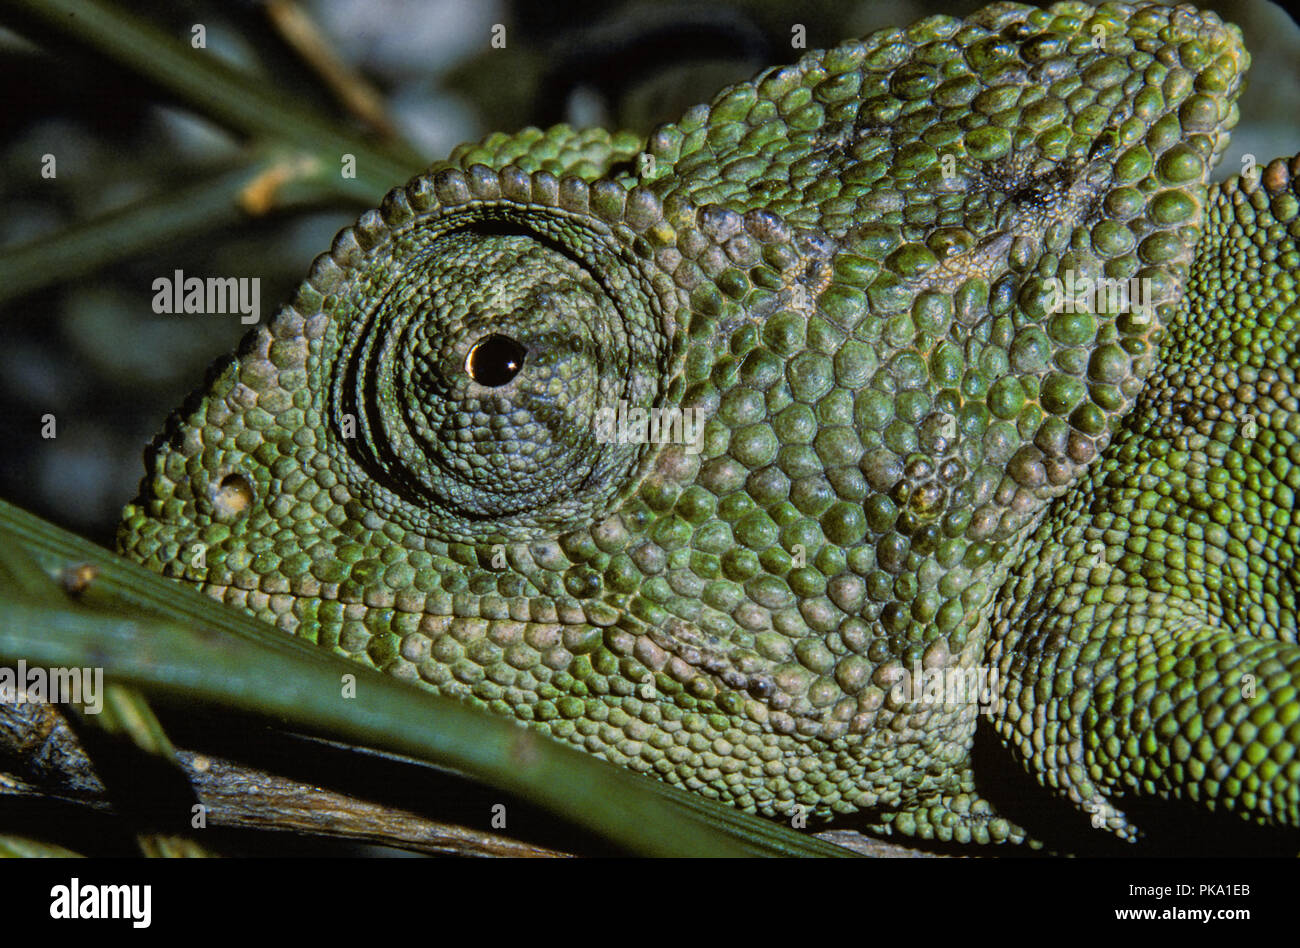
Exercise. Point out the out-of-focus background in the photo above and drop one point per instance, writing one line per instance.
(90, 351)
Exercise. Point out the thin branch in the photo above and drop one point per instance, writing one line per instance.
(85, 247)
(224, 94)
(354, 93)
(48, 763)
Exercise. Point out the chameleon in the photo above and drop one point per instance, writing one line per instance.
(774, 452)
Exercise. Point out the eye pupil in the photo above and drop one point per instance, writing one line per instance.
(495, 360)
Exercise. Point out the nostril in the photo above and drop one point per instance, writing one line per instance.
(232, 496)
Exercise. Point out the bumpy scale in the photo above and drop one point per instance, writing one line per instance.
(913, 457)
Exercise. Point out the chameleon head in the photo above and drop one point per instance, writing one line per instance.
(845, 269)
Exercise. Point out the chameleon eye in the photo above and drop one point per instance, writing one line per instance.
(479, 380)
(495, 360)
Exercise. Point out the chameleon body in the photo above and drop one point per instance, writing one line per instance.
(917, 462)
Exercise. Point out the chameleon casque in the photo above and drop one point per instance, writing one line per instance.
(913, 457)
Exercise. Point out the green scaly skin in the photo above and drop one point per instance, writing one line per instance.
(908, 458)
